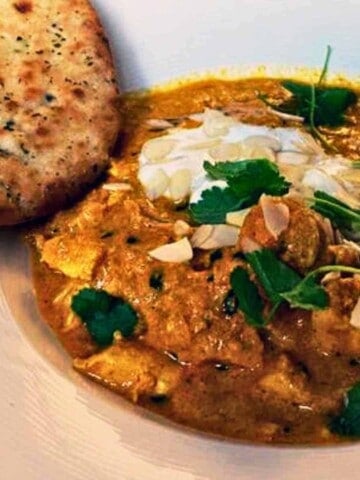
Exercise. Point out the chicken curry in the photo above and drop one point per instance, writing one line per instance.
(213, 276)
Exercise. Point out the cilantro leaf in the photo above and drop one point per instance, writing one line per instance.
(247, 180)
(214, 205)
(331, 103)
(307, 295)
(317, 104)
(345, 218)
(275, 276)
(347, 423)
(250, 178)
(104, 314)
(248, 297)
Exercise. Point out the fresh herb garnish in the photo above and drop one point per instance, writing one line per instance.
(344, 217)
(104, 314)
(247, 180)
(275, 276)
(214, 205)
(318, 104)
(282, 284)
(248, 297)
(347, 423)
(326, 108)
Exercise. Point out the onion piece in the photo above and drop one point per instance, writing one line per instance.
(355, 315)
(177, 252)
(276, 215)
(218, 236)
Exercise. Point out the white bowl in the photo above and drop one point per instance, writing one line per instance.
(54, 424)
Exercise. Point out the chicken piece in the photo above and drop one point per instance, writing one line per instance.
(284, 382)
(74, 256)
(332, 332)
(302, 244)
(345, 255)
(132, 370)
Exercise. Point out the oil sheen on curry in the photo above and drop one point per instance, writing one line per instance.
(213, 277)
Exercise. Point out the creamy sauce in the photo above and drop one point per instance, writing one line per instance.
(194, 358)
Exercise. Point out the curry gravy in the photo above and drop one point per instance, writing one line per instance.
(194, 359)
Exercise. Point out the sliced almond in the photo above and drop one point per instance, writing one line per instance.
(117, 187)
(329, 277)
(292, 158)
(262, 141)
(216, 124)
(287, 116)
(248, 245)
(255, 152)
(180, 184)
(226, 152)
(201, 235)
(156, 149)
(237, 218)
(276, 215)
(157, 185)
(355, 315)
(204, 145)
(158, 124)
(177, 252)
(221, 236)
(181, 228)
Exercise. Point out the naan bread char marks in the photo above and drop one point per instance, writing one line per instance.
(58, 105)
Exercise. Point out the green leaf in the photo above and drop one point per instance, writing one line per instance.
(331, 103)
(275, 276)
(307, 295)
(104, 314)
(250, 178)
(214, 205)
(347, 423)
(248, 297)
(247, 180)
(344, 217)
(318, 104)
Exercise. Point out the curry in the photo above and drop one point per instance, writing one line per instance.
(186, 346)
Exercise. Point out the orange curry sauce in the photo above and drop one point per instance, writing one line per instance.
(192, 359)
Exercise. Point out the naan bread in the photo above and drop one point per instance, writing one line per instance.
(59, 114)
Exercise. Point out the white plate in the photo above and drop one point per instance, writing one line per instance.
(54, 424)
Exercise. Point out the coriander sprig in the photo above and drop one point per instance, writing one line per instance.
(281, 285)
(246, 181)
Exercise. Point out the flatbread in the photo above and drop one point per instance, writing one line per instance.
(59, 114)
